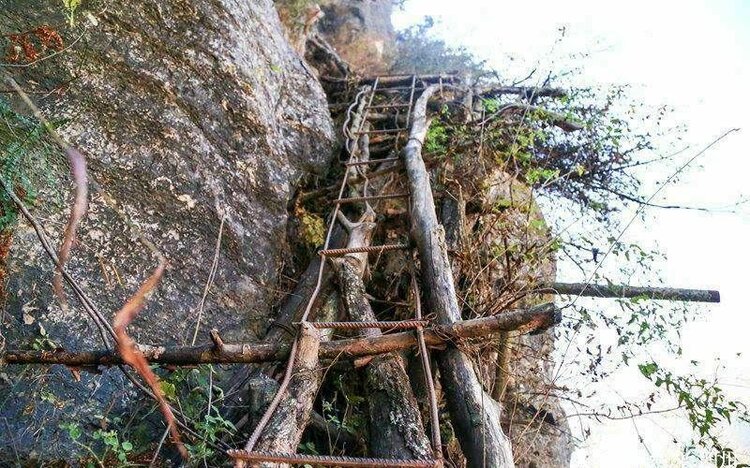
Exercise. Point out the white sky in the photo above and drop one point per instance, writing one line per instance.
(694, 56)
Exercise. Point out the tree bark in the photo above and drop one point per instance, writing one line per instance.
(396, 430)
(284, 430)
(441, 336)
(475, 415)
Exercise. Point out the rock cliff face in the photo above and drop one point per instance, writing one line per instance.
(361, 31)
(189, 112)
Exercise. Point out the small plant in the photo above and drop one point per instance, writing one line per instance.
(436, 141)
(115, 451)
(70, 10)
(120, 449)
(192, 390)
(43, 341)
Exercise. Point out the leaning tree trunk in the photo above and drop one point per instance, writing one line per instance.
(284, 429)
(475, 415)
(396, 429)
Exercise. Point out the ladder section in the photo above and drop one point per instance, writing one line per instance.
(394, 104)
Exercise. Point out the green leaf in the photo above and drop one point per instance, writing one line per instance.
(648, 369)
(168, 389)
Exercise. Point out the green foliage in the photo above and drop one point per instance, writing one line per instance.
(193, 391)
(107, 447)
(537, 175)
(43, 341)
(436, 140)
(70, 10)
(705, 403)
(343, 404)
(111, 439)
(27, 162)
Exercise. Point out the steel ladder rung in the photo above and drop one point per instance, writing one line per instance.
(369, 248)
(389, 106)
(327, 460)
(372, 161)
(345, 201)
(387, 130)
(400, 88)
(384, 325)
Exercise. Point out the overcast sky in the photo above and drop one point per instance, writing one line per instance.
(695, 57)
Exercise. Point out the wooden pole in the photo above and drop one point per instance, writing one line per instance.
(537, 318)
(474, 414)
(400, 431)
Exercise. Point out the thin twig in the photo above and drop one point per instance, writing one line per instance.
(158, 448)
(210, 280)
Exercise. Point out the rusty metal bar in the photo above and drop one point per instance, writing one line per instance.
(372, 161)
(344, 201)
(625, 291)
(369, 248)
(411, 99)
(386, 325)
(435, 438)
(385, 131)
(389, 106)
(327, 460)
(399, 88)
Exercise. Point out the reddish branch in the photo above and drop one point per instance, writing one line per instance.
(132, 356)
(77, 211)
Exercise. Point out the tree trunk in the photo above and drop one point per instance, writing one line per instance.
(396, 429)
(475, 415)
(284, 430)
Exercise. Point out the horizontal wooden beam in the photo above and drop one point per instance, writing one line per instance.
(525, 321)
(624, 291)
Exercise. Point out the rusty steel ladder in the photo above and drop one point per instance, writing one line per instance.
(248, 454)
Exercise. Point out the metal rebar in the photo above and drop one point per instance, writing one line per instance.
(372, 161)
(327, 460)
(389, 106)
(344, 201)
(383, 131)
(387, 325)
(399, 88)
(435, 439)
(411, 99)
(369, 248)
